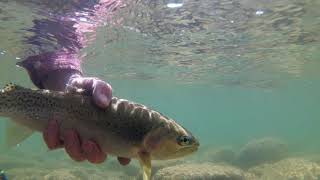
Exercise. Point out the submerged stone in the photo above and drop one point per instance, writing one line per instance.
(72, 173)
(288, 169)
(220, 155)
(157, 165)
(266, 150)
(203, 171)
(61, 174)
(27, 173)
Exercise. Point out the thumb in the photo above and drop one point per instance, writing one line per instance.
(102, 93)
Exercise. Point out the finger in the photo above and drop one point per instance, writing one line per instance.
(83, 83)
(124, 161)
(93, 152)
(101, 91)
(51, 135)
(102, 94)
(72, 145)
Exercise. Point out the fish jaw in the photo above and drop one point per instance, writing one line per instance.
(169, 150)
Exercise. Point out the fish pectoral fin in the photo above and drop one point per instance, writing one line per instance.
(145, 163)
(15, 134)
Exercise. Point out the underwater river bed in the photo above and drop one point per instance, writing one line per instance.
(241, 75)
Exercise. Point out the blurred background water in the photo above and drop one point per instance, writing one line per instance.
(229, 70)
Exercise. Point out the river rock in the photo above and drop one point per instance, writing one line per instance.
(200, 171)
(266, 150)
(288, 169)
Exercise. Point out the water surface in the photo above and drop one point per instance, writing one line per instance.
(228, 70)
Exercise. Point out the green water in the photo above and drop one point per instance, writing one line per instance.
(221, 69)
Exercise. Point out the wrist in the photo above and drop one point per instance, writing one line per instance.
(51, 70)
(57, 80)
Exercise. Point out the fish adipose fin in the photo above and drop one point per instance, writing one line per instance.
(15, 134)
(145, 163)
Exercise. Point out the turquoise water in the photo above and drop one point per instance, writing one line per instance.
(229, 71)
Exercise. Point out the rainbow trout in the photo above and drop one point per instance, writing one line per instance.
(124, 129)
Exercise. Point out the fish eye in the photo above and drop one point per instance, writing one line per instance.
(184, 140)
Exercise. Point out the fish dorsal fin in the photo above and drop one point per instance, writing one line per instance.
(15, 134)
(145, 163)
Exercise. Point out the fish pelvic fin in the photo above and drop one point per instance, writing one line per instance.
(145, 163)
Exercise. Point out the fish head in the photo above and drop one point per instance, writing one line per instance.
(170, 142)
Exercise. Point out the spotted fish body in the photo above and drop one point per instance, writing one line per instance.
(124, 128)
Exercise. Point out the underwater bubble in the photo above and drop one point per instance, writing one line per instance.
(175, 3)
(259, 12)
(83, 19)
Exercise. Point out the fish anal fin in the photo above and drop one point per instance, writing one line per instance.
(145, 163)
(15, 134)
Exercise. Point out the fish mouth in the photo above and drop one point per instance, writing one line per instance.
(190, 149)
(186, 150)
(180, 154)
(196, 144)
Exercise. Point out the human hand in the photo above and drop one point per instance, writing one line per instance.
(78, 149)
(101, 91)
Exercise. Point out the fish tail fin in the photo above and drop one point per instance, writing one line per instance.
(14, 135)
